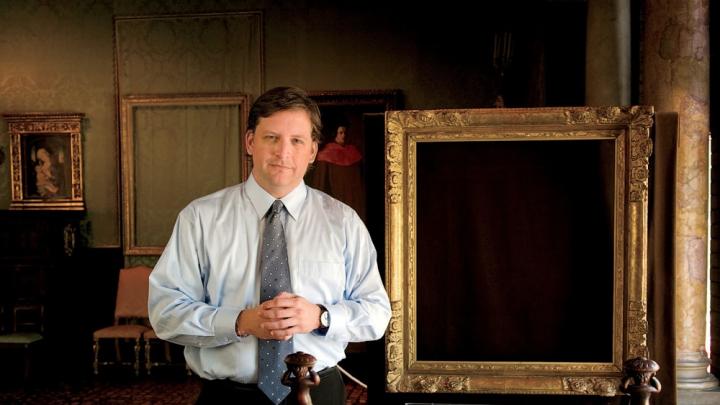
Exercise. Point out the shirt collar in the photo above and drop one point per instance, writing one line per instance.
(262, 200)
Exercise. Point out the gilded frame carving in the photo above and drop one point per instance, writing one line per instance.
(628, 128)
(46, 161)
(128, 135)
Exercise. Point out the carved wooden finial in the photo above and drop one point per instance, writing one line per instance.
(639, 381)
(300, 376)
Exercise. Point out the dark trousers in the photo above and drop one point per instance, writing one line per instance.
(331, 391)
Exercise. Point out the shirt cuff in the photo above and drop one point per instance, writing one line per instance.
(338, 320)
(224, 324)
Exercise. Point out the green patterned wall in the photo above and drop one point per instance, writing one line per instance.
(58, 56)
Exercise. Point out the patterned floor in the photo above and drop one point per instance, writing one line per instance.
(95, 393)
(128, 391)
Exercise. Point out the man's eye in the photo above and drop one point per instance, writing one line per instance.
(298, 141)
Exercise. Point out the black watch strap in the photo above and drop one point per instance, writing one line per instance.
(324, 319)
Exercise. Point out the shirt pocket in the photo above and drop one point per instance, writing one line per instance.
(320, 281)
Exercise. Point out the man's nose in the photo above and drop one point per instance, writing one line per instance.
(284, 147)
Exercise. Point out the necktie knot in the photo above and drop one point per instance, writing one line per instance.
(277, 207)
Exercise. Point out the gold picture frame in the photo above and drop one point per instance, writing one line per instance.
(495, 216)
(46, 161)
(176, 126)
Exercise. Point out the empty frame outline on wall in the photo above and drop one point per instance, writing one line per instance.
(236, 103)
(217, 51)
(410, 133)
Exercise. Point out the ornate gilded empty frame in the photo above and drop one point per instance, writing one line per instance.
(516, 248)
(46, 161)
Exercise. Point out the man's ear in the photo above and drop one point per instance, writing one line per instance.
(249, 140)
(314, 151)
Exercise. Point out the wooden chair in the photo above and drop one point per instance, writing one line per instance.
(131, 317)
(28, 326)
(152, 341)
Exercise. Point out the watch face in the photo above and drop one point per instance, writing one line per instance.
(324, 321)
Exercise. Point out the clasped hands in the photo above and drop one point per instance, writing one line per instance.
(279, 318)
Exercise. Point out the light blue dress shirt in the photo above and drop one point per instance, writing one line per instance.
(209, 272)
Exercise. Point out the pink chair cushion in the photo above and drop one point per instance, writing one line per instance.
(149, 334)
(132, 295)
(121, 331)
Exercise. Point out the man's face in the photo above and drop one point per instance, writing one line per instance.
(282, 148)
(340, 135)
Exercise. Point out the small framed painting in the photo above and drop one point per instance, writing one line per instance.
(46, 161)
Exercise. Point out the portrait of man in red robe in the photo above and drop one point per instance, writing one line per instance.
(338, 168)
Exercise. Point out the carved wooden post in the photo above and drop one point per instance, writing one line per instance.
(300, 377)
(639, 381)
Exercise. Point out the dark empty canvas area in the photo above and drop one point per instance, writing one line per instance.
(515, 250)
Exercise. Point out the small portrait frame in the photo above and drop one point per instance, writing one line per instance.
(46, 161)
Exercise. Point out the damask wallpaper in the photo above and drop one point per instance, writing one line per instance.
(60, 55)
(190, 53)
(57, 56)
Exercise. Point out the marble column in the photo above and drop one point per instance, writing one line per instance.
(607, 61)
(675, 69)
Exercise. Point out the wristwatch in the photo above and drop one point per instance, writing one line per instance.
(324, 319)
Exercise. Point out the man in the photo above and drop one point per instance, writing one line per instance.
(205, 291)
(338, 171)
